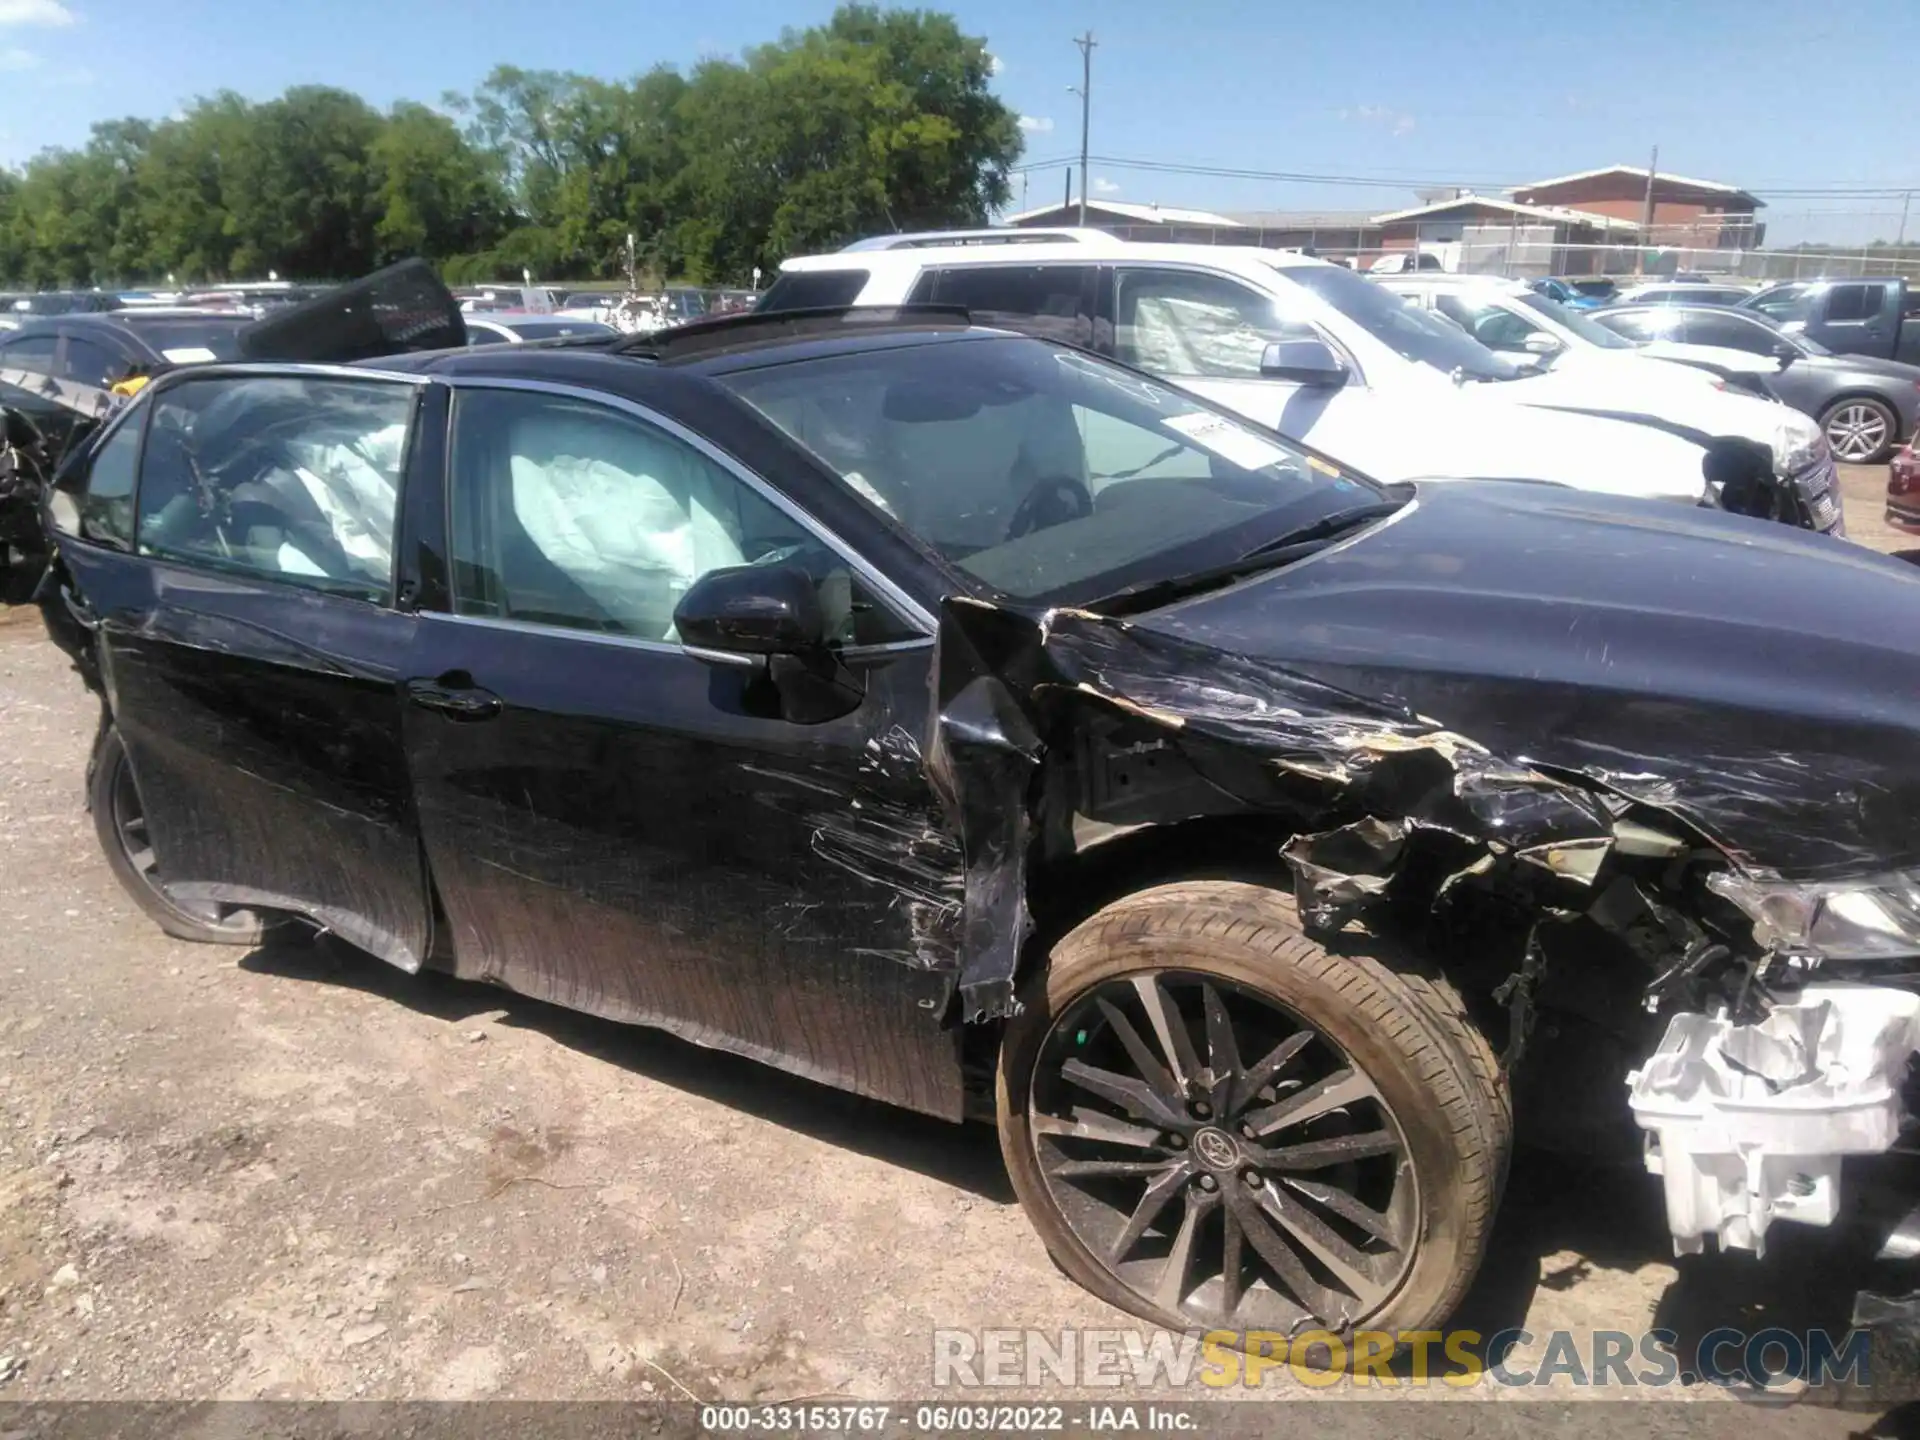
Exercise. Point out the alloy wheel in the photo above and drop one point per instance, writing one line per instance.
(1220, 1157)
(1856, 431)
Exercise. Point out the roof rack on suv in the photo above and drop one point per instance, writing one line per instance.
(1000, 235)
(698, 337)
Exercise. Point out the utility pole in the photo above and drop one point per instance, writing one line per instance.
(1084, 90)
(1646, 216)
(1901, 239)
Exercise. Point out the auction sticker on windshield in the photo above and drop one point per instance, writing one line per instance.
(1229, 440)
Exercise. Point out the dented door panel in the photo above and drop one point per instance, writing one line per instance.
(262, 726)
(632, 836)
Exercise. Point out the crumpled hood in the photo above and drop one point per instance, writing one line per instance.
(1760, 681)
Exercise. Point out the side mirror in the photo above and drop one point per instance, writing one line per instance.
(743, 612)
(1540, 343)
(1785, 353)
(1304, 362)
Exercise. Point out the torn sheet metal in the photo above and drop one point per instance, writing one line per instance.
(1747, 1124)
(1766, 696)
(1055, 718)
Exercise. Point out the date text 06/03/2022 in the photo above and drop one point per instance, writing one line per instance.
(936, 1418)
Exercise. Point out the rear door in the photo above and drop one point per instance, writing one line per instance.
(1856, 317)
(248, 646)
(621, 827)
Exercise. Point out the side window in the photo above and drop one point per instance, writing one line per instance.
(1642, 325)
(89, 363)
(1043, 300)
(1730, 332)
(287, 477)
(1184, 322)
(95, 501)
(573, 514)
(813, 289)
(32, 353)
(1493, 327)
(1791, 303)
(1853, 302)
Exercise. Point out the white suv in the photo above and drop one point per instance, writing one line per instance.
(1304, 347)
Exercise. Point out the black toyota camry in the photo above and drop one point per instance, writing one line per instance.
(975, 723)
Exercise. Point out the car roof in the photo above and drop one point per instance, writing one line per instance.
(1086, 247)
(1427, 280)
(1685, 309)
(618, 365)
(1652, 285)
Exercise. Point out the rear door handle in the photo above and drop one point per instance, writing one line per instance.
(455, 696)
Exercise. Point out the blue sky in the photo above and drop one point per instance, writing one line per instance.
(1769, 94)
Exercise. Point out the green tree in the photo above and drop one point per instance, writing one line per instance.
(876, 120)
(435, 194)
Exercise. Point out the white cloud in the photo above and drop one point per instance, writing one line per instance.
(1395, 122)
(995, 65)
(1035, 124)
(13, 59)
(35, 12)
(1103, 186)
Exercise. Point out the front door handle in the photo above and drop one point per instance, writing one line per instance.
(455, 696)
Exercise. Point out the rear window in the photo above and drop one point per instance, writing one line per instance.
(1853, 302)
(288, 478)
(814, 289)
(183, 340)
(1046, 300)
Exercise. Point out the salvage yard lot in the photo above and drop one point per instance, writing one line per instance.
(299, 1173)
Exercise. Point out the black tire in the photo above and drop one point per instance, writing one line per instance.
(1862, 424)
(119, 823)
(1397, 1052)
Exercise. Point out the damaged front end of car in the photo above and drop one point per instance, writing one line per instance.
(1610, 934)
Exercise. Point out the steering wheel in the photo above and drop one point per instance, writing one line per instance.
(1037, 511)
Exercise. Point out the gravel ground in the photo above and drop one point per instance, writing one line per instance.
(298, 1174)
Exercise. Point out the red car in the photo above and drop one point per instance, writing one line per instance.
(1903, 490)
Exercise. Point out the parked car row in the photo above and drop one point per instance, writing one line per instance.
(1337, 361)
(1036, 732)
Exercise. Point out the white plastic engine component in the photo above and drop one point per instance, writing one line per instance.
(1747, 1123)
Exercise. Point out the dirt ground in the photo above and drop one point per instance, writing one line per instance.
(296, 1173)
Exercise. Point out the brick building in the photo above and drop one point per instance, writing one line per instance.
(1689, 213)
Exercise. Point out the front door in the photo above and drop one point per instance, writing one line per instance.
(250, 653)
(620, 827)
(1207, 333)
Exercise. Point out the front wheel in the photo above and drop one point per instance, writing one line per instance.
(1216, 1123)
(120, 823)
(1861, 431)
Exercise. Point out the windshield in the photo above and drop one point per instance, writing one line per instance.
(1410, 332)
(1573, 320)
(1806, 342)
(555, 329)
(1044, 472)
(185, 341)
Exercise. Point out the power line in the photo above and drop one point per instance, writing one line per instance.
(1406, 180)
